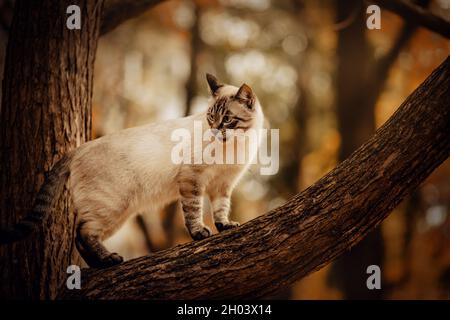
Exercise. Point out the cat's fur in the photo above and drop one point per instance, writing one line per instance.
(117, 175)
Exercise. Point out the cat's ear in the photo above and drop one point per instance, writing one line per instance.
(214, 84)
(245, 95)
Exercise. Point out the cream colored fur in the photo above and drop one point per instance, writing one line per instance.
(118, 175)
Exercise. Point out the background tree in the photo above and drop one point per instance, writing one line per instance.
(360, 80)
(46, 111)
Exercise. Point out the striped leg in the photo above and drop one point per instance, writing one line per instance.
(191, 203)
(221, 209)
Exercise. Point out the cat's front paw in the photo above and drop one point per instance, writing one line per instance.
(222, 226)
(107, 261)
(200, 234)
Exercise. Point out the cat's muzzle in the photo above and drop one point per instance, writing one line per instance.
(221, 135)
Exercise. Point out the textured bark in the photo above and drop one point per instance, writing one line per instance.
(46, 111)
(311, 229)
(417, 15)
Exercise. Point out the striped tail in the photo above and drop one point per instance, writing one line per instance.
(45, 200)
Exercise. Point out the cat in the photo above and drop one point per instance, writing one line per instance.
(118, 175)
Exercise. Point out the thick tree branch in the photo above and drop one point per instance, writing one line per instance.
(415, 14)
(117, 11)
(311, 229)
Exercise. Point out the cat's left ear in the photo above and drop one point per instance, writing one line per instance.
(214, 84)
(245, 95)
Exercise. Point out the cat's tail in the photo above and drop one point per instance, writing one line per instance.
(45, 200)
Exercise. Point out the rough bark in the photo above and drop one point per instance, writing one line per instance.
(46, 111)
(311, 229)
(417, 15)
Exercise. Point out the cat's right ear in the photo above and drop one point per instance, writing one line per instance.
(214, 84)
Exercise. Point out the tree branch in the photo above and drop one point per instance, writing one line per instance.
(117, 11)
(414, 14)
(311, 229)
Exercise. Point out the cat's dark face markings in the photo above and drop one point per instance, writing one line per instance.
(233, 108)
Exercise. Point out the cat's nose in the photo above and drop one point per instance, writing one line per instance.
(215, 125)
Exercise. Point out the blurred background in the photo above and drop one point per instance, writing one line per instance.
(323, 79)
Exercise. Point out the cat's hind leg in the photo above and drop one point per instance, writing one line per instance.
(91, 249)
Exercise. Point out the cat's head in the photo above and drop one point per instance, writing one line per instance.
(232, 107)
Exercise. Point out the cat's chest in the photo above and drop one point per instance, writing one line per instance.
(220, 172)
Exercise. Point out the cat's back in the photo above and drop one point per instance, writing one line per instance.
(150, 140)
(152, 143)
(138, 155)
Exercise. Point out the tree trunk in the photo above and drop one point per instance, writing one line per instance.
(311, 229)
(356, 123)
(191, 83)
(46, 111)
